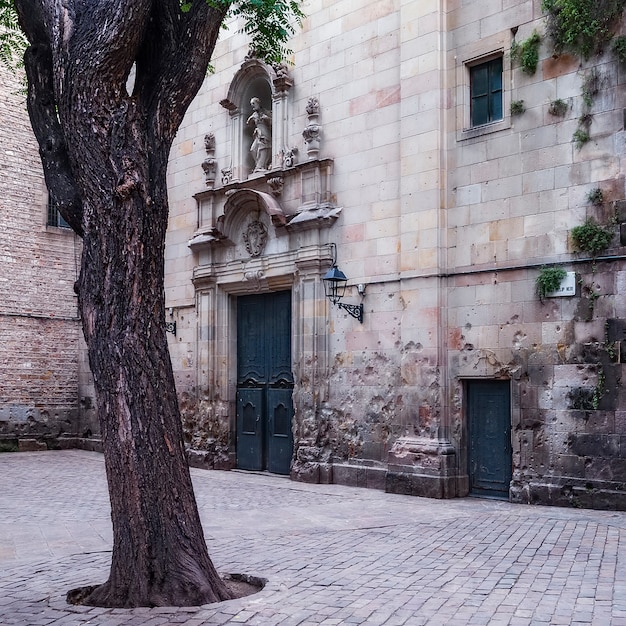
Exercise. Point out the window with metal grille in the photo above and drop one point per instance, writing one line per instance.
(55, 218)
(486, 92)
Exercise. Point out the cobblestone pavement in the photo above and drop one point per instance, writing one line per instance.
(331, 554)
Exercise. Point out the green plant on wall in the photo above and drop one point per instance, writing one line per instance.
(611, 347)
(598, 391)
(595, 196)
(591, 237)
(581, 137)
(619, 48)
(549, 280)
(582, 27)
(527, 53)
(591, 86)
(517, 107)
(558, 108)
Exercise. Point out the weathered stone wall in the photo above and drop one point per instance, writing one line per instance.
(39, 328)
(515, 194)
(448, 227)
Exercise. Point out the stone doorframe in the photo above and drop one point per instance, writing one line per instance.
(254, 247)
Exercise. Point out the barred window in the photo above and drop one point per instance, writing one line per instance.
(55, 218)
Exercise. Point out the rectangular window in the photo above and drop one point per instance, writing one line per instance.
(55, 218)
(486, 92)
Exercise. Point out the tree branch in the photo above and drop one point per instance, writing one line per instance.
(189, 40)
(44, 120)
(52, 148)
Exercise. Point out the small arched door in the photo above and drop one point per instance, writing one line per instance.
(264, 382)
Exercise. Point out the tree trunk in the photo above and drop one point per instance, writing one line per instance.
(105, 155)
(159, 553)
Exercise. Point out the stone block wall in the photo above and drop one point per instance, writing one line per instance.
(448, 226)
(519, 188)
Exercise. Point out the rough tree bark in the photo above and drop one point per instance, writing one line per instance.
(105, 155)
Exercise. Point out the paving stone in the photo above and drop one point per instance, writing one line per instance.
(339, 555)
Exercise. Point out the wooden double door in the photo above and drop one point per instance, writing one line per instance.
(264, 382)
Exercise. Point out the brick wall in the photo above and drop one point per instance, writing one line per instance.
(39, 326)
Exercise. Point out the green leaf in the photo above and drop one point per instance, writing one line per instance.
(12, 41)
(269, 23)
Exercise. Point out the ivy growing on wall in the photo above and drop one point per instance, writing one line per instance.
(582, 27)
(526, 53)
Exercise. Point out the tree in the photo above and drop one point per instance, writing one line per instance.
(104, 152)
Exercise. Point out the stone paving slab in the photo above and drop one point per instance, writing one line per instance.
(332, 554)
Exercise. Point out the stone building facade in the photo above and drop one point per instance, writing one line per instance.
(40, 378)
(395, 156)
(401, 145)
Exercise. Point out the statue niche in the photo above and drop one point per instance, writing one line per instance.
(261, 123)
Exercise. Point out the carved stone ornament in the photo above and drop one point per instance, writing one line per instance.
(227, 175)
(209, 165)
(313, 106)
(289, 157)
(276, 185)
(282, 82)
(313, 130)
(255, 238)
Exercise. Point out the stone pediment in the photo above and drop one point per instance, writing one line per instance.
(294, 199)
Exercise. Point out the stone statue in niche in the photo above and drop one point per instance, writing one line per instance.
(261, 148)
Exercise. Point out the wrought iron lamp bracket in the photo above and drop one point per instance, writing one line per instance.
(356, 310)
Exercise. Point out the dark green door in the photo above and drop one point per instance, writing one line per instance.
(264, 382)
(489, 430)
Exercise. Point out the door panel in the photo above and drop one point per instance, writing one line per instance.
(264, 382)
(251, 356)
(279, 329)
(489, 429)
(250, 429)
(279, 433)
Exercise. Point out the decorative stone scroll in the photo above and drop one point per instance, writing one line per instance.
(289, 156)
(227, 175)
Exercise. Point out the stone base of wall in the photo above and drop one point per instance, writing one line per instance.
(422, 485)
(371, 475)
(80, 443)
(568, 492)
(32, 443)
(419, 466)
(209, 459)
(312, 472)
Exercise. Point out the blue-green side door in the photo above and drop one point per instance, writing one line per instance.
(489, 433)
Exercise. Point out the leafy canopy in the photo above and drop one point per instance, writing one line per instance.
(12, 41)
(268, 23)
